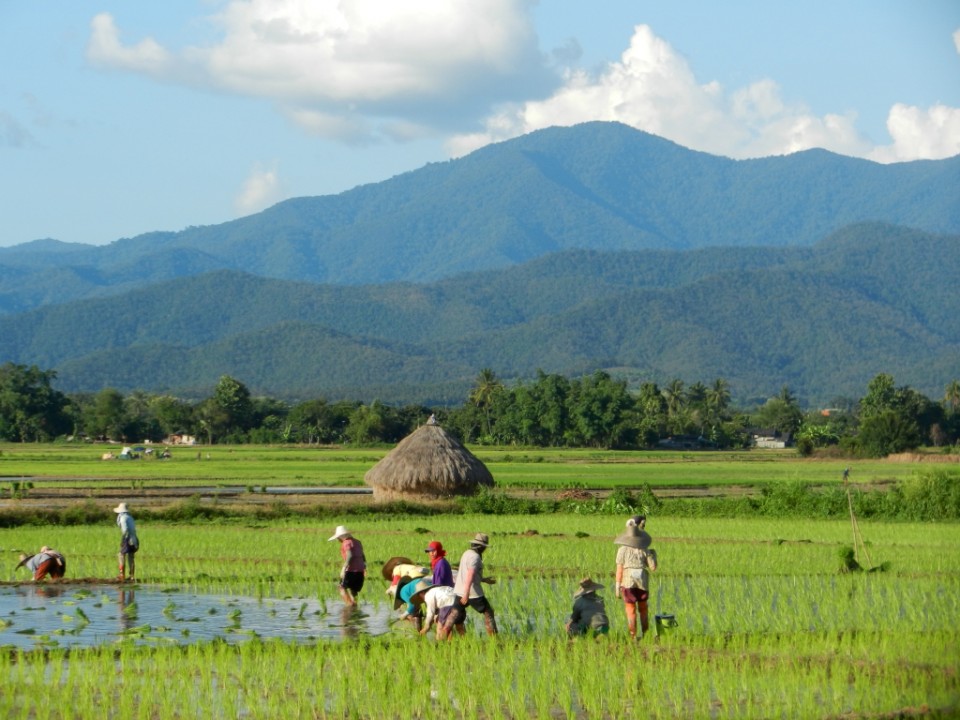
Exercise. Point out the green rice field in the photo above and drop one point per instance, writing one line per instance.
(767, 625)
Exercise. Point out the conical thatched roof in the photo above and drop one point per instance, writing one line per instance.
(429, 462)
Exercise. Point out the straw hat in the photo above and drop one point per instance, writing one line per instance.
(635, 538)
(390, 564)
(481, 539)
(121, 508)
(338, 533)
(587, 586)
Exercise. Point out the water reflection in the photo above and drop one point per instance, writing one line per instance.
(127, 604)
(84, 615)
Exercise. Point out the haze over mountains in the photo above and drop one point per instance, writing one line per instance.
(567, 250)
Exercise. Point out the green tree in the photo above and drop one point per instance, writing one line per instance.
(484, 395)
(887, 432)
(30, 409)
(107, 416)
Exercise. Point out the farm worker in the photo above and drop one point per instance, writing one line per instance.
(589, 613)
(400, 571)
(469, 588)
(412, 595)
(635, 558)
(129, 543)
(354, 569)
(442, 572)
(46, 562)
(440, 601)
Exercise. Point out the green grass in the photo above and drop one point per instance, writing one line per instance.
(64, 465)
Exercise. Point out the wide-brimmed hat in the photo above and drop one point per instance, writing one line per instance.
(634, 537)
(412, 588)
(481, 539)
(587, 586)
(338, 533)
(390, 564)
(23, 560)
(121, 508)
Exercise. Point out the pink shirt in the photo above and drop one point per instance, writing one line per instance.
(352, 553)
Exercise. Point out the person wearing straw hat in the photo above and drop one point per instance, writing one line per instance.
(129, 543)
(412, 594)
(589, 613)
(354, 569)
(635, 560)
(46, 562)
(442, 572)
(469, 587)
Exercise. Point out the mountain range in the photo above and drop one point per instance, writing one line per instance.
(567, 250)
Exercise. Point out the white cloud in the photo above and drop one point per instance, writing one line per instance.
(653, 88)
(105, 49)
(326, 62)
(260, 190)
(930, 134)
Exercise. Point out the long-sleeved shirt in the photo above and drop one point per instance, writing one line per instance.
(437, 597)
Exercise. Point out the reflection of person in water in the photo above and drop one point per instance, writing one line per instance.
(351, 620)
(127, 604)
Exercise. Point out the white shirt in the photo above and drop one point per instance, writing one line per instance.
(439, 596)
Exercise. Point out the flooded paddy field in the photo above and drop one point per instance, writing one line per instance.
(73, 615)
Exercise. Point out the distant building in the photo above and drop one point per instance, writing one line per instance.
(770, 439)
(180, 439)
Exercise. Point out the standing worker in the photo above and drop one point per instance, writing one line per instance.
(635, 559)
(354, 569)
(46, 562)
(442, 572)
(469, 588)
(129, 543)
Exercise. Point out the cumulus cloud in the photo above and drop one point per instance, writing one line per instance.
(260, 190)
(930, 134)
(327, 62)
(653, 88)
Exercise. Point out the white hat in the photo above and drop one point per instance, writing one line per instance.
(338, 533)
(121, 508)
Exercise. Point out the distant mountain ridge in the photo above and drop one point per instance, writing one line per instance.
(597, 186)
(822, 319)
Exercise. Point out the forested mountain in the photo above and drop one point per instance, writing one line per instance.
(823, 320)
(597, 186)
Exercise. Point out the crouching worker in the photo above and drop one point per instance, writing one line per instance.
(412, 594)
(46, 562)
(589, 614)
(440, 602)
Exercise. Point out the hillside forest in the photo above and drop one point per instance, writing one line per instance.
(595, 411)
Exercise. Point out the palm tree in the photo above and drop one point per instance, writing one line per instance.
(482, 396)
(951, 398)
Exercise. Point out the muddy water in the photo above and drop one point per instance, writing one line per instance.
(50, 615)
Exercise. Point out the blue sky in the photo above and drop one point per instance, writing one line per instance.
(119, 118)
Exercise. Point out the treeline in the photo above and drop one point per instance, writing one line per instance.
(552, 410)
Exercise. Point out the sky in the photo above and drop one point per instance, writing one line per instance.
(120, 118)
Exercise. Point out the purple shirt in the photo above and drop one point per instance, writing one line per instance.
(443, 573)
(352, 553)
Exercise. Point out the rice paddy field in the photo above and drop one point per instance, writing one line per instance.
(240, 617)
(766, 625)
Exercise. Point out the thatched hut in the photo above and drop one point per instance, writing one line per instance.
(428, 463)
